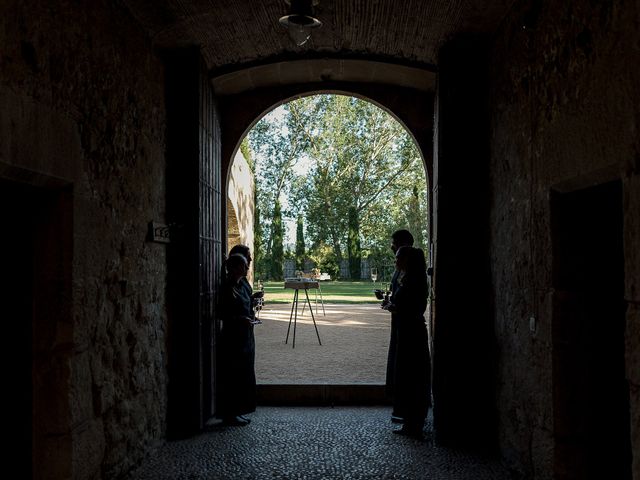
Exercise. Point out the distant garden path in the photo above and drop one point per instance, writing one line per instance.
(355, 341)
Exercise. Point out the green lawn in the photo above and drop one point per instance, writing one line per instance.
(332, 292)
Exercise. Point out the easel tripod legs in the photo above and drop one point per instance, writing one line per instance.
(313, 318)
(294, 316)
(294, 306)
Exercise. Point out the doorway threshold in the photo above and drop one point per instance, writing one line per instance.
(321, 394)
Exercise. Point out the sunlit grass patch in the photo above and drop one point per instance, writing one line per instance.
(332, 292)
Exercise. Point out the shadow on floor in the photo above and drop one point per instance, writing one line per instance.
(314, 443)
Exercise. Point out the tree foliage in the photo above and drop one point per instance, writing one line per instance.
(349, 168)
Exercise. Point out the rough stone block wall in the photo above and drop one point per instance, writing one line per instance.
(564, 106)
(82, 101)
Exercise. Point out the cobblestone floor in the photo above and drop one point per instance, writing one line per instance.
(314, 443)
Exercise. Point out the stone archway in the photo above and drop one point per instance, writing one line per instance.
(232, 220)
(233, 228)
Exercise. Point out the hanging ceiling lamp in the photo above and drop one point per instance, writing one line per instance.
(300, 20)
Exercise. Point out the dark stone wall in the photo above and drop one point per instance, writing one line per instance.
(564, 116)
(83, 106)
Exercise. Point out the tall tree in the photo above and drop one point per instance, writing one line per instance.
(360, 154)
(353, 244)
(258, 255)
(300, 248)
(277, 246)
(348, 166)
(276, 148)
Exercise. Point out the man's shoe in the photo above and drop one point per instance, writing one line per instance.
(246, 419)
(412, 432)
(396, 419)
(235, 422)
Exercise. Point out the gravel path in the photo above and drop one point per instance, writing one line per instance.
(355, 342)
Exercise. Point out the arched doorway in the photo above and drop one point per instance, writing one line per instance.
(424, 243)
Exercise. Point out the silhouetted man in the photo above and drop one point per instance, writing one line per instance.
(399, 238)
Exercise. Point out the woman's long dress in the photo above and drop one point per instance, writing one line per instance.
(237, 379)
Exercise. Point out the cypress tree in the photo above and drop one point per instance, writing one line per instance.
(353, 244)
(300, 250)
(277, 249)
(258, 256)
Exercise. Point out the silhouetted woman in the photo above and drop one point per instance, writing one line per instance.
(237, 392)
(246, 253)
(412, 375)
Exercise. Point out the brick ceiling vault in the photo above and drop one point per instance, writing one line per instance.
(234, 35)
